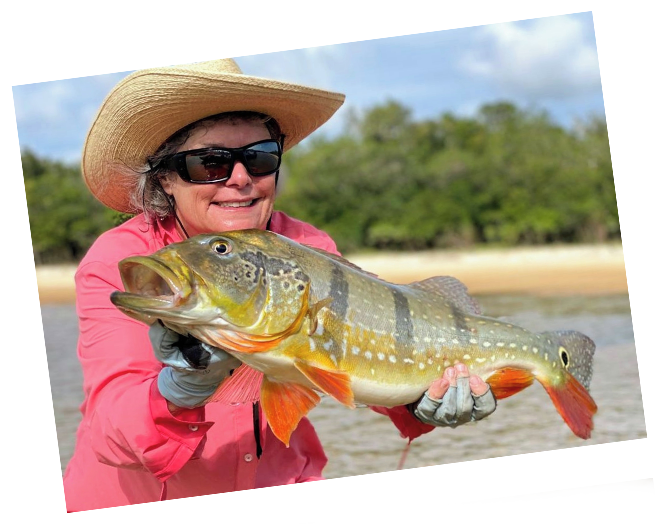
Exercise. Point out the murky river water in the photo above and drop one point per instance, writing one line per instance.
(360, 441)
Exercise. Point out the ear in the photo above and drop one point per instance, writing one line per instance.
(168, 183)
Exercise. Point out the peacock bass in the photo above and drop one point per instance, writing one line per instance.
(310, 322)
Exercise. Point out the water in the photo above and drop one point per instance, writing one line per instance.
(360, 441)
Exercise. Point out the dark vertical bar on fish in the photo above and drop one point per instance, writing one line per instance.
(404, 328)
(339, 291)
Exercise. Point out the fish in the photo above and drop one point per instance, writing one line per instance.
(307, 323)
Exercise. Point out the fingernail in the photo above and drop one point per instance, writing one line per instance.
(450, 372)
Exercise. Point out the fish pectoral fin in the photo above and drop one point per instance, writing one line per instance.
(313, 313)
(573, 403)
(334, 383)
(242, 387)
(506, 382)
(284, 405)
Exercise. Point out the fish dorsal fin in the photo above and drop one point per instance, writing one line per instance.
(452, 289)
(340, 260)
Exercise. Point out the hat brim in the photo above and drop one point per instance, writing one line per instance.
(149, 106)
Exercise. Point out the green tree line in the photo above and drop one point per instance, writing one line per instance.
(505, 176)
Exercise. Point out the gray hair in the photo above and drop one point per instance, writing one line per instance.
(148, 195)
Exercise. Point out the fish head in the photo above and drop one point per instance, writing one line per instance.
(214, 284)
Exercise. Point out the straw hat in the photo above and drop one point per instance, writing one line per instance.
(149, 106)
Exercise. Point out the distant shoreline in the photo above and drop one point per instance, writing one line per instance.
(544, 270)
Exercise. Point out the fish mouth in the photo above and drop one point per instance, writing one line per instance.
(153, 290)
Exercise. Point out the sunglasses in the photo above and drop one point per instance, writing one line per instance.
(215, 164)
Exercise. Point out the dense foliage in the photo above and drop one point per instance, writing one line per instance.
(65, 218)
(505, 177)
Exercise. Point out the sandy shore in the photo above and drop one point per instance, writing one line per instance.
(554, 270)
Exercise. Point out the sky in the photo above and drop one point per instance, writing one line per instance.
(547, 64)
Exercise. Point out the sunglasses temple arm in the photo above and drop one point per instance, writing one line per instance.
(276, 175)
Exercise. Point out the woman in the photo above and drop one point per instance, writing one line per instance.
(194, 149)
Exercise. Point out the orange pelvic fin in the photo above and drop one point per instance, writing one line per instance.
(506, 382)
(242, 387)
(574, 404)
(284, 405)
(333, 383)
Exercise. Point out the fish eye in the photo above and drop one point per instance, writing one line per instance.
(221, 247)
(565, 357)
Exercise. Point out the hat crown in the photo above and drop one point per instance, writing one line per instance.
(223, 66)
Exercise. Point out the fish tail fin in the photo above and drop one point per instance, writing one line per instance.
(573, 403)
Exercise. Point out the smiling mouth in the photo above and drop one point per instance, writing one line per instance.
(247, 203)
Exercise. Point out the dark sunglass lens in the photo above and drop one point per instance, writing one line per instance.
(206, 167)
(263, 159)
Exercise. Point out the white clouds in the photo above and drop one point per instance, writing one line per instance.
(313, 66)
(548, 63)
(544, 58)
(53, 117)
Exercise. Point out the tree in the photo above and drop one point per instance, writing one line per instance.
(64, 217)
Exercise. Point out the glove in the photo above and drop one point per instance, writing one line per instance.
(193, 369)
(458, 406)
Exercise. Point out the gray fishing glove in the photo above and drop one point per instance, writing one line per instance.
(458, 406)
(193, 369)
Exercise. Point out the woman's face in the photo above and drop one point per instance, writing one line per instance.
(241, 202)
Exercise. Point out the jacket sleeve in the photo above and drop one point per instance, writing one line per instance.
(130, 425)
(408, 425)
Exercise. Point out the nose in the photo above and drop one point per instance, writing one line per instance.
(239, 177)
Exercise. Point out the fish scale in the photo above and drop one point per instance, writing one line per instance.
(306, 322)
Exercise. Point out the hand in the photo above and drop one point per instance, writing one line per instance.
(193, 369)
(455, 399)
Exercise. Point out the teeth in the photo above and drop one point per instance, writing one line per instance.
(236, 204)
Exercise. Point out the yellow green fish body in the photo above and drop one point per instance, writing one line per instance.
(312, 322)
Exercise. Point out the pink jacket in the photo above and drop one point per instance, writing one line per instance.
(129, 448)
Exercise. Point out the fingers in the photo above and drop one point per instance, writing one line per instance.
(478, 386)
(438, 388)
(456, 398)
(484, 404)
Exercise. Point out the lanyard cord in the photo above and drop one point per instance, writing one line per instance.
(180, 223)
(256, 413)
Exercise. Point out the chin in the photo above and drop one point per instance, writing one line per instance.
(221, 219)
(235, 223)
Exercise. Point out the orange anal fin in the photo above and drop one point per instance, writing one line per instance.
(574, 404)
(284, 405)
(242, 387)
(506, 382)
(334, 383)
